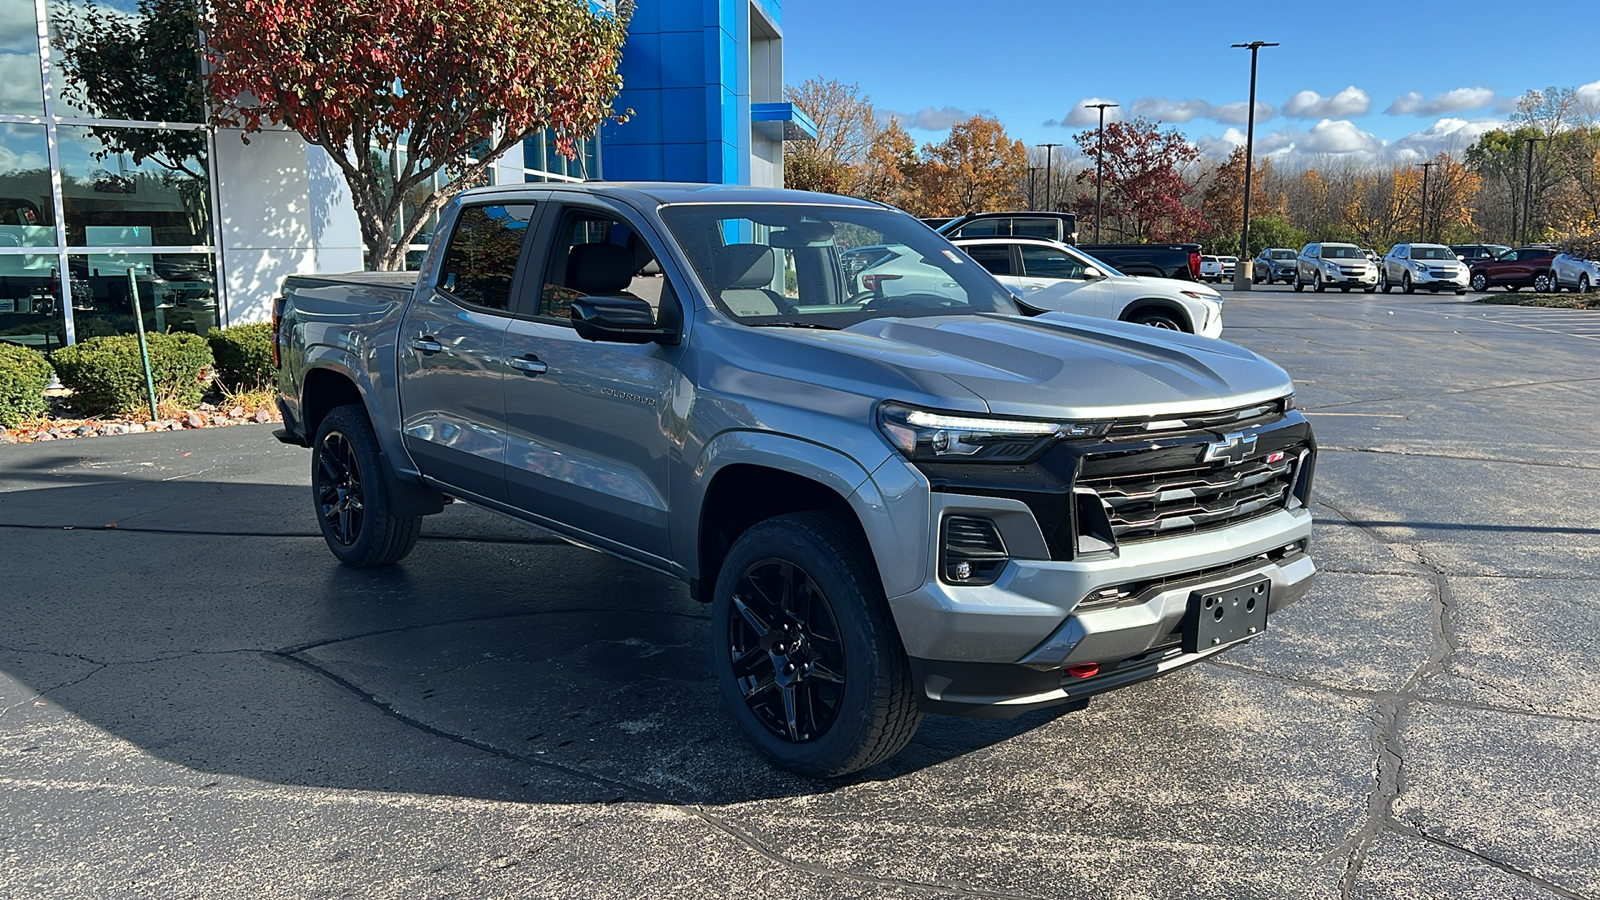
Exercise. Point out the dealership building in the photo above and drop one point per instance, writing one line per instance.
(210, 225)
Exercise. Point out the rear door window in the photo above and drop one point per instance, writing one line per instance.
(994, 257)
(1047, 262)
(480, 262)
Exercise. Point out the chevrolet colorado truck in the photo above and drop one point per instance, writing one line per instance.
(897, 495)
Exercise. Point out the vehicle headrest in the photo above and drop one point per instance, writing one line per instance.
(742, 266)
(600, 268)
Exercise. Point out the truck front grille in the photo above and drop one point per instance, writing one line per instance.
(1163, 501)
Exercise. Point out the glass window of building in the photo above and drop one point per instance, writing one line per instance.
(134, 187)
(27, 211)
(21, 80)
(114, 59)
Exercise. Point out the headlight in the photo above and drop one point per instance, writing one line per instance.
(1203, 295)
(928, 436)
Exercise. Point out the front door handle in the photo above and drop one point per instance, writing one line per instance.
(530, 364)
(426, 345)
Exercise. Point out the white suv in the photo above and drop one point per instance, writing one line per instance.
(1431, 267)
(1055, 277)
(1343, 266)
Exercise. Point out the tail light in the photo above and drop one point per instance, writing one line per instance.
(874, 283)
(1194, 266)
(277, 319)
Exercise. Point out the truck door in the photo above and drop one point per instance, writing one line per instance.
(591, 425)
(451, 350)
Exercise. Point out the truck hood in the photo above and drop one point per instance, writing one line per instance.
(1064, 366)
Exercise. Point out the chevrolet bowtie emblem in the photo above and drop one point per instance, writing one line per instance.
(1233, 448)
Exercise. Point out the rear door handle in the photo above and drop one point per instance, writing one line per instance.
(426, 345)
(530, 364)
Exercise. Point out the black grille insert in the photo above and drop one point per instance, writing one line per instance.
(1168, 501)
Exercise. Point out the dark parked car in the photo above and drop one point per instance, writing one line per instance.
(1051, 226)
(1513, 269)
(1471, 253)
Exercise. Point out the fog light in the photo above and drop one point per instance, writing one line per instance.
(963, 570)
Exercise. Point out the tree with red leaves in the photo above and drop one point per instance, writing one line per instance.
(456, 82)
(1144, 181)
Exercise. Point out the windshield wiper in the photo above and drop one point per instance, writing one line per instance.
(793, 325)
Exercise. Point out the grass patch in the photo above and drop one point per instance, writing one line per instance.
(1555, 301)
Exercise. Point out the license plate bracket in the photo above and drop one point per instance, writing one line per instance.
(1224, 615)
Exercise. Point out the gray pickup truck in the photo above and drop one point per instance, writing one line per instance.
(897, 494)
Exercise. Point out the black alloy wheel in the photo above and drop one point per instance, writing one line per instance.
(338, 482)
(786, 650)
(807, 655)
(350, 494)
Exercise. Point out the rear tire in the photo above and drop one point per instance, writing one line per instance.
(807, 655)
(1383, 281)
(351, 497)
(1480, 282)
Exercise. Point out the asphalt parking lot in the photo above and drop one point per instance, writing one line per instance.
(196, 701)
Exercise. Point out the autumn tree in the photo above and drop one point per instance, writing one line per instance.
(1223, 199)
(457, 82)
(975, 169)
(1145, 182)
(892, 172)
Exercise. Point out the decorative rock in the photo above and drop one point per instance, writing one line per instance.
(262, 416)
(136, 428)
(55, 433)
(206, 407)
(236, 413)
(6, 438)
(83, 430)
(45, 436)
(219, 419)
(194, 420)
(174, 426)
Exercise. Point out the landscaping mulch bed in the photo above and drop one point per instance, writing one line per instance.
(61, 423)
(1556, 301)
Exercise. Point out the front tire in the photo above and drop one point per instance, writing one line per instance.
(1480, 282)
(1544, 284)
(1406, 287)
(1316, 283)
(351, 497)
(1583, 284)
(1157, 318)
(807, 656)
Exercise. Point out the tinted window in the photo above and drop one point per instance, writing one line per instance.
(1435, 253)
(1046, 262)
(1283, 254)
(481, 259)
(996, 259)
(1049, 229)
(597, 255)
(981, 228)
(1331, 252)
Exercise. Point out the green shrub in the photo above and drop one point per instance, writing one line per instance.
(23, 376)
(244, 355)
(105, 375)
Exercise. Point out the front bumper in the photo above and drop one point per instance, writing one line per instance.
(1003, 649)
(1369, 279)
(1424, 281)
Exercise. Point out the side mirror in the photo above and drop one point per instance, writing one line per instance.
(619, 320)
(1092, 272)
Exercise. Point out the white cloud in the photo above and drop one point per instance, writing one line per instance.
(1589, 96)
(1447, 135)
(930, 119)
(1080, 116)
(1412, 103)
(1340, 136)
(1332, 140)
(1352, 101)
(1163, 110)
(1236, 113)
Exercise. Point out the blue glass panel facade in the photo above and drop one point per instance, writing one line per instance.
(686, 76)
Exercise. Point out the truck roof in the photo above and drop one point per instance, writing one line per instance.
(673, 192)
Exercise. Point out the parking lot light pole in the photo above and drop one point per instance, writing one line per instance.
(1242, 274)
(1031, 171)
(1527, 191)
(1422, 219)
(1049, 150)
(1099, 161)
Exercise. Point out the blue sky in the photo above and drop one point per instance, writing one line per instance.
(1364, 82)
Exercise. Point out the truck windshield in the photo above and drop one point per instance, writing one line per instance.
(831, 266)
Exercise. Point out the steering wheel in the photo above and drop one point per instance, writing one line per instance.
(908, 301)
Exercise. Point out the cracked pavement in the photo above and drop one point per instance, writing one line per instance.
(195, 700)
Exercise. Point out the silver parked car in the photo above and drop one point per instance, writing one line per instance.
(1325, 265)
(1431, 267)
(1575, 273)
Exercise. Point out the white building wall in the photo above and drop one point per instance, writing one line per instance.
(283, 209)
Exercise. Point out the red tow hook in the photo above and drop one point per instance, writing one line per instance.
(1083, 670)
